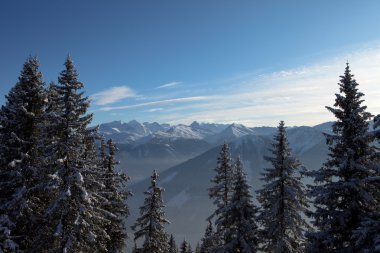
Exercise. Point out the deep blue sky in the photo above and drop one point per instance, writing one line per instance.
(203, 48)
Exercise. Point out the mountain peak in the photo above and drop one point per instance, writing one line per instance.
(195, 124)
(236, 130)
(133, 122)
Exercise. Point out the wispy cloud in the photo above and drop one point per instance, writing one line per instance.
(297, 95)
(112, 95)
(155, 110)
(155, 103)
(169, 85)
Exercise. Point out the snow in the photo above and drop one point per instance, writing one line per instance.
(85, 196)
(180, 131)
(116, 130)
(12, 164)
(235, 131)
(68, 192)
(78, 177)
(58, 230)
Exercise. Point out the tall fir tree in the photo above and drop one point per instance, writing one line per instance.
(172, 245)
(221, 193)
(73, 218)
(367, 235)
(242, 229)
(343, 196)
(151, 224)
(283, 200)
(19, 163)
(116, 194)
(185, 247)
(198, 248)
(208, 240)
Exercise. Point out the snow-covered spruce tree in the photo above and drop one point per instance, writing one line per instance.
(172, 245)
(19, 163)
(198, 248)
(74, 220)
(208, 240)
(283, 200)
(185, 247)
(135, 249)
(221, 193)
(151, 224)
(242, 229)
(116, 194)
(343, 195)
(367, 235)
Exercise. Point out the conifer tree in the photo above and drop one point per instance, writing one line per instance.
(242, 229)
(19, 163)
(343, 196)
(283, 200)
(367, 235)
(151, 224)
(172, 245)
(208, 240)
(73, 218)
(198, 248)
(221, 192)
(185, 247)
(116, 194)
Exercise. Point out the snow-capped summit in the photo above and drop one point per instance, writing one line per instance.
(138, 128)
(195, 124)
(231, 133)
(180, 131)
(112, 127)
(156, 127)
(212, 127)
(238, 130)
(130, 132)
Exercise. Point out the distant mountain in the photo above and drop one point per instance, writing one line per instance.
(137, 133)
(186, 184)
(324, 127)
(155, 127)
(304, 138)
(184, 132)
(230, 133)
(130, 132)
(264, 130)
(185, 156)
(146, 146)
(214, 128)
(160, 154)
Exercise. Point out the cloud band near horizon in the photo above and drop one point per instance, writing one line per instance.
(155, 103)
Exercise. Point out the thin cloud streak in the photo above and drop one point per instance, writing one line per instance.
(155, 110)
(113, 95)
(169, 85)
(155, 103)
(298, 96)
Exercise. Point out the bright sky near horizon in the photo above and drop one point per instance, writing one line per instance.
(247, 61)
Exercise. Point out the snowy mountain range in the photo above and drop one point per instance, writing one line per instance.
(147, 146)
(185, 156)
(134, 132)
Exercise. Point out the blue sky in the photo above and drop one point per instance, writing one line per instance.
(251, 62)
